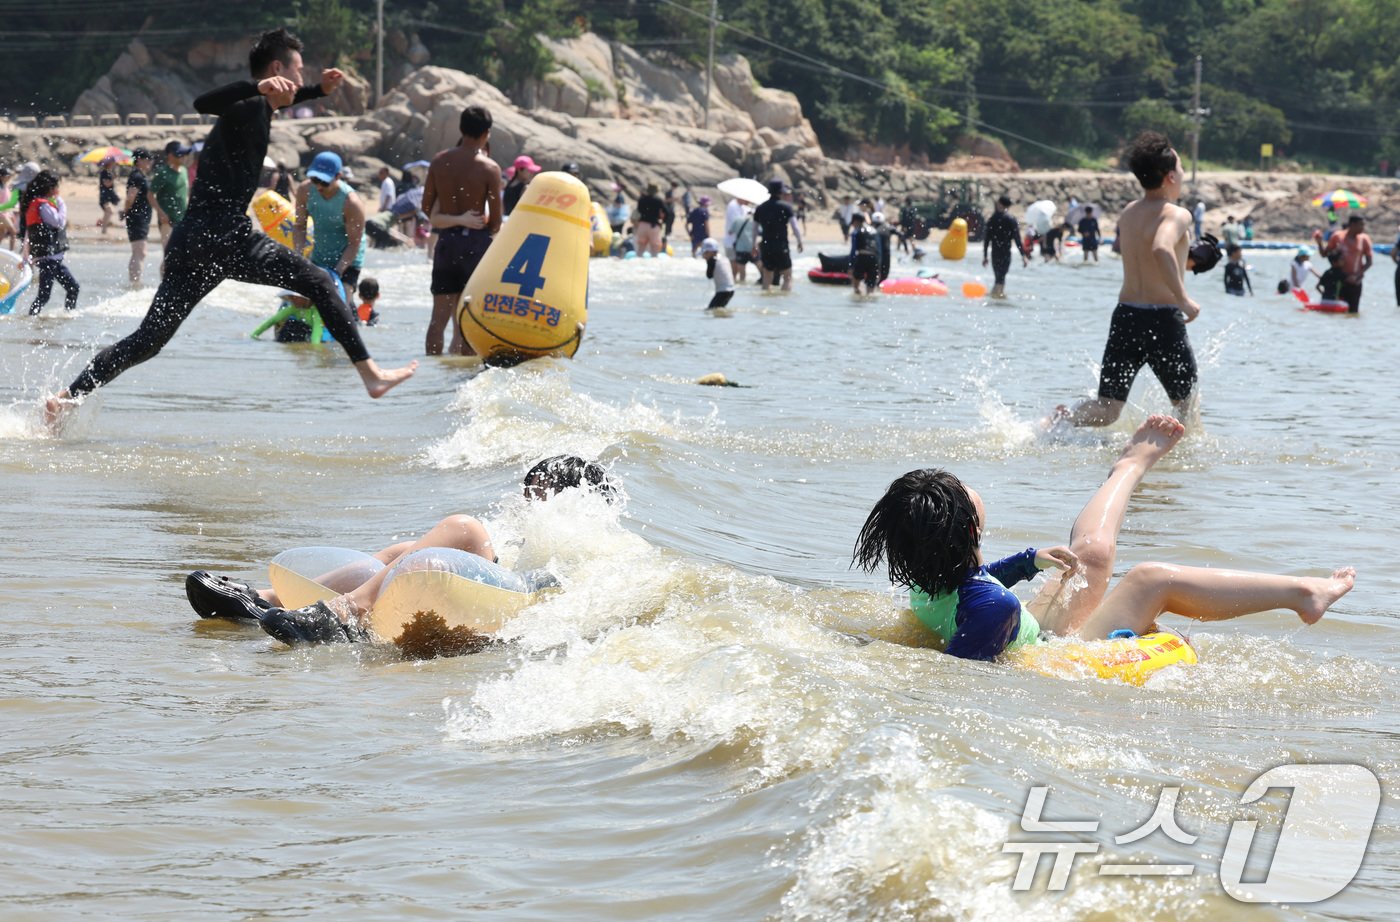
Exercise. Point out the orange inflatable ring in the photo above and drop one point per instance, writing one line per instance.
(914, 286)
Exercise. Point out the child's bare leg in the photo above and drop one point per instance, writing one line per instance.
(461, 532)
(1094, 537)
(1206, 594)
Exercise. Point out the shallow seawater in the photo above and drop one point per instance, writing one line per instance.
(717, 717)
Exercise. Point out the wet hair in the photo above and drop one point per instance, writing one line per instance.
(1356, 219)
(43, 184)
(275, 45)
(1232, 249)
(925, 528)
(563, 472)
(1283, 286)
(1151, 158)
(369, 289)
(475, 122)
(1004, 201)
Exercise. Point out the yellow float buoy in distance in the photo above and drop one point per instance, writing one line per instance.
(277, 218)
(954, 243)
(602, 230)
(529, 295)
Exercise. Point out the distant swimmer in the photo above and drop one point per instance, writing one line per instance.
(1002, 231)
(1149, 323)
(1089, 234)
(335, 209)
(774, 219)
(928, 529)
(344, 619)
(44, 232)
(216, 240)
(462, 198)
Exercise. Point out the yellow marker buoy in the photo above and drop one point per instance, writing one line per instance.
(954, 244)
(602, 230)
(529, 295)
(277, 218)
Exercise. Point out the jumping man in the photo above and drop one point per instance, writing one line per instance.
(216, 240)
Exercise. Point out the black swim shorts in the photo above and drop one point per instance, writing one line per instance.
(1154, 336)
(775, 258)
(459, 249)
(866, 269)
(138, 230)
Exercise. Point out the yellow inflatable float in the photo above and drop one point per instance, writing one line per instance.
(954, 243)
(529, 295)
(1127, 659)
(277, 218)
(464, 590)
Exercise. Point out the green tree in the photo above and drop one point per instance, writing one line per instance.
(1238, 124)
(331, 30)
(1156, 115)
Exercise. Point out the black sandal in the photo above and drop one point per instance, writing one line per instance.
(214, 596)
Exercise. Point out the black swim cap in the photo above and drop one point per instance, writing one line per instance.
(1205, 254)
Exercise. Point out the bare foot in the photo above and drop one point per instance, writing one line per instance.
(1060, 414)
(1324, 593)
(378, 381)
(57, 407)
(1153, 439)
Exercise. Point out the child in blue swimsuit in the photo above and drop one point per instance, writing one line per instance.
(928, 529)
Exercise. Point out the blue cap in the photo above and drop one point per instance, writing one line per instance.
(326, 167)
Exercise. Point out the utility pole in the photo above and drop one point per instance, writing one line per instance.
(1196, 121)
(379, 64)
(710, 68)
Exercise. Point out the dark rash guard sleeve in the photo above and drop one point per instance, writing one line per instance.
(1014, 569)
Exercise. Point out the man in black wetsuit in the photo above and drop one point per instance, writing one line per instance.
(1002, 231)
(216, 240)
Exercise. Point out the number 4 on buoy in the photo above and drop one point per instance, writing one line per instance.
(529, 295)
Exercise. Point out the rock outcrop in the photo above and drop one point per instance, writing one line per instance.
(148, 80)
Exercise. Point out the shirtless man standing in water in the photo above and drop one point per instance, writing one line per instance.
(1149, 324)
(462, 198)
(216, 240)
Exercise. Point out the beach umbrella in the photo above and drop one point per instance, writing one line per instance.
(1340, 198)
(119, 154)
(750, 190)
(1040, 214)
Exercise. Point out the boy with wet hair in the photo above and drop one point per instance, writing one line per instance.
(343, 619)
(1236, 275)
(1149, 323)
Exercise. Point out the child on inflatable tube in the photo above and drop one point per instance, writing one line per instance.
(342, 619)
(928, 529)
